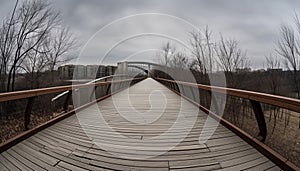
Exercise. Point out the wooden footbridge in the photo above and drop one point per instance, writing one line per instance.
(64, 143)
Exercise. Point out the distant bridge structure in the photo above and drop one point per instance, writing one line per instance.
(146, 67)
(76, 139)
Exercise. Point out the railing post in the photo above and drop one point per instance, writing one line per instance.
(173, 86)
(108, 87)
(215, 103)
(120, 87)
(93, 92)
(192, 91)
(168, 84)
(259, 115)
(177, 86)
(28, 112)
(67, 101)
(182, 88)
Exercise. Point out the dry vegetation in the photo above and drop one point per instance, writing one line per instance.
(283, 138)
(14, 125)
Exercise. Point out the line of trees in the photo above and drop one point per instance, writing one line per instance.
(225, 54)
(288, 46)
(32, 40)
(208, 55)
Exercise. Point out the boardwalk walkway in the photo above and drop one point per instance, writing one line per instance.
(69, 144)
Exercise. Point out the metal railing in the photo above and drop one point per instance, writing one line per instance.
(102, 79)
(28, 100)
(249, 113)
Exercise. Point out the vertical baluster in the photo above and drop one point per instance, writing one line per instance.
(28, 109)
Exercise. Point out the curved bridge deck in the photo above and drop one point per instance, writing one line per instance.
(67, 146)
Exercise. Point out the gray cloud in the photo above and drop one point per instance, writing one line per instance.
(254, 23)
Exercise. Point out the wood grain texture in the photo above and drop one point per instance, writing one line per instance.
(66, 146)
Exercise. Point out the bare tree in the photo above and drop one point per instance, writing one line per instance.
(30, 38)
(34, 20)
(230, 58)
(167, 53)
(274, 80)
(34, 63)
(274, 77)
(203, 50)
(7, 44)
(58, 45)
(179, 61)
(288, 47)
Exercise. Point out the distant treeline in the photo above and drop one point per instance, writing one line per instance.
(277, 82)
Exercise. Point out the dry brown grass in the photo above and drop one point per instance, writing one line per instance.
(285, 139)
(12, 126)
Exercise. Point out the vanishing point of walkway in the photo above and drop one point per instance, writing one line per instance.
(67, 146)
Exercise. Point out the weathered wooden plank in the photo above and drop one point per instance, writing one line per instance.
(16, 162)
(263, 166)
(197, 168)
(275, 168)
(70, 166)
(24, 160)
(237, 155)
(228, 146)
(69, 160)
(45, 158)
(65, 145)
(61, 168)
(7, 163)
(247, 164)
(192, 163)
(154, 163)
(240, 160)
(3, 167)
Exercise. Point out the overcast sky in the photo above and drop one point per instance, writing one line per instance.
(255, 24)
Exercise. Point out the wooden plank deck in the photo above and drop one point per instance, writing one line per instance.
(66, 145)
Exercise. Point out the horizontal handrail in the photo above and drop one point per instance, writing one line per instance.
(31, 95)
(255, 99)
(90, 82)
(281, 101)
(43, 91)
(29, 132)
(107, 77)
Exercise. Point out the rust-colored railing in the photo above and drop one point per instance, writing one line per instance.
(30, 95)
(261, 104)
(30, 98)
